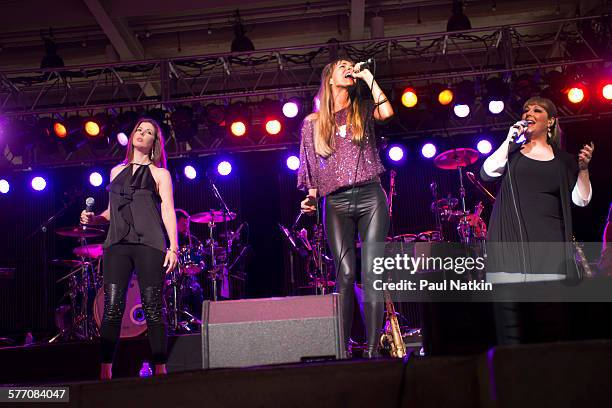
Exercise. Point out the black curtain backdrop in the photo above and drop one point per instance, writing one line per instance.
(261, 190)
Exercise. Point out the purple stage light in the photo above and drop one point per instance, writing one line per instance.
(224, 168)
(290, 109)
(122, 138)
(428, 150)
(396, 153)
(190, 172)
(95, 179)
(293, 162)
(484, 146)
(39, 183)
(4, 186)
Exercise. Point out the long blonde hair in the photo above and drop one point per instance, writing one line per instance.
(157, 153)
(550, 108)
(325, 122)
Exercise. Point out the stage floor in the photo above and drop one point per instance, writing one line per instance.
(543, 375)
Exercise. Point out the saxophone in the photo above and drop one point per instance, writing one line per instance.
(392, 334)
(581, 260)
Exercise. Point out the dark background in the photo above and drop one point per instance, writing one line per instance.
(261, 190)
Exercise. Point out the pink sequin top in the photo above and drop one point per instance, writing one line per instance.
(338, 170)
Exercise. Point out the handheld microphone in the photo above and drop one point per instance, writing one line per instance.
(89, 203)
(519, 129)
(360, 66)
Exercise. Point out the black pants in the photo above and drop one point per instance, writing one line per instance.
(363, 207)
(120, 260)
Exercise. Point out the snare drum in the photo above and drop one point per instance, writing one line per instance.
(191, 259)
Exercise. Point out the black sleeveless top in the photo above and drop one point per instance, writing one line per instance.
(135, 211)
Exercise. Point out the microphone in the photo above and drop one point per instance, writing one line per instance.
(519, 128)
(89, 203)
(360, 66)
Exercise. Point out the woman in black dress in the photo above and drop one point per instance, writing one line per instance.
(531, 218)
(140, 209)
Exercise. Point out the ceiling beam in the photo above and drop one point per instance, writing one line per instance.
(119, 34)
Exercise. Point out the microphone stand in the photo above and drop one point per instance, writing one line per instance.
(226, 213)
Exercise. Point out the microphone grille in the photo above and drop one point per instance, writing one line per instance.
(90, 201)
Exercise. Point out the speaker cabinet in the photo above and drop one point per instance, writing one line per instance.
(251, 332)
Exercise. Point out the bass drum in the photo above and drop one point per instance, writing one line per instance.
(134, 322)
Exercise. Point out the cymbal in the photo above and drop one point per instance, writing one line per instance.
(88, 251)
(79, 232)
(68, 263)
(455, 158)
(212, 216)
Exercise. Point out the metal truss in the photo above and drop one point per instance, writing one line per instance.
(227, 78)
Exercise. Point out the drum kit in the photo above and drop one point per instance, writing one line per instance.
(81, 318)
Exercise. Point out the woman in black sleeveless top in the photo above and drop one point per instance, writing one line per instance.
(141, 214)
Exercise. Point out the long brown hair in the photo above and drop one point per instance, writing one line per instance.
(157, 153)
(555, 134)
(325, 125)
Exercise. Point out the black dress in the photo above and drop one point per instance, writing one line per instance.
(531, 223)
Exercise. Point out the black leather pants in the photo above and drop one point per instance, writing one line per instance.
(119, 262)
(363, 207)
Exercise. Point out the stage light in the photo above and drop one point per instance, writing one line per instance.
(428, 150)
(190, 172)
(95, 179)
(497, 92)
(461, 111)
(606, 92)
(484, 146)
(38, 183)
(317, 103)
(445, 97)
(238, 128)
(4, 186)
(92, 129)
(496, 107)
(290, 109)
(575, 94)
(224, 168)
(409, 98)
(273, 127)
(122, 138)
(464, 97)
(293, 162)
(60, 130)
(396, 153)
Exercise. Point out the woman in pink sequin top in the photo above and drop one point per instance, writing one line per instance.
(339, 161)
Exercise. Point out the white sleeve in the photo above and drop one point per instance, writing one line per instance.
(577, 198)
(494, 168)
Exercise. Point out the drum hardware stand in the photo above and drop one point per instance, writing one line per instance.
(82, 325)
(217, 271)
(176, 312)
(463, 222)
